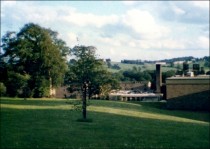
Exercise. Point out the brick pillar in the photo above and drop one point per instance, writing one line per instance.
(158, 78)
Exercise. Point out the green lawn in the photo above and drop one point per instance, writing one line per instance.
(52, 123)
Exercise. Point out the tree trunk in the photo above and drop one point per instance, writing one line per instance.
(84, 105)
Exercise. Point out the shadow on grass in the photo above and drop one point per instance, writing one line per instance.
(87, 120)
(149, 107)
(60, 129)
(161, 108)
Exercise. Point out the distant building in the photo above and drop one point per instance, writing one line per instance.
(62, 92)
(161, 63)
(178, 62)
(133, 85)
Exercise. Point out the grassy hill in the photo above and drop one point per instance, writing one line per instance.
(52, 123)
(147, 66)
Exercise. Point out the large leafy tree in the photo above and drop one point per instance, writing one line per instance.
(86, 71)
(37, 57)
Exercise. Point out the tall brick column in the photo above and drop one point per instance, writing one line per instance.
(158, 78)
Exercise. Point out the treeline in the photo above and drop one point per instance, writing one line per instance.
(168, 61)
(172, 60)
(138, 62)
(136, 74)
(33, 62)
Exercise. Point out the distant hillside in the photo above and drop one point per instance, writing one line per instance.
(172, 60)
(145, 66)
(150, 65)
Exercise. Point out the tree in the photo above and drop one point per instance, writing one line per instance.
(135, 74)
(207, 63)
(167, 74)
(37, 54)
(108, 61)
(87, 72)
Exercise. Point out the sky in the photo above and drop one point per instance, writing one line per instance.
(146, 30)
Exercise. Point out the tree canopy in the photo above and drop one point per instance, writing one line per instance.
(87, 72)
(34, 60)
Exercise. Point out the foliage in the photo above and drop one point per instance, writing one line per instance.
(86, 73)
(35, 52)
(207, 63)
(3, 71)
(86, 67)
(135, 74)
(17, 83)
(139, 62)
(109, 65)
(167, 74)
(3, 89)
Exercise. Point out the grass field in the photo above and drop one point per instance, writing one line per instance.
(52, 123)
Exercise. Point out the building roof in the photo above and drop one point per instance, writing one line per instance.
(188, 80)
(200, 77)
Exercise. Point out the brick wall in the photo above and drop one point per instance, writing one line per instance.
(191, 93)
(175, 90)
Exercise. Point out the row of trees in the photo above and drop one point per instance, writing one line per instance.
(136, 74)
(169, 61)
(34, 61)
(139, 62)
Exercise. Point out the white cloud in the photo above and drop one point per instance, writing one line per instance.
(132, 44)
(5, 5)
(173, 44)
(83, 19)
(8, 3)
(203, 42)
(129, 3)
(115, 42)
(178, 10)
(124, 54)
(112, 51)
(71, 39)
(144, 24)
(133, 33)
(201, 4)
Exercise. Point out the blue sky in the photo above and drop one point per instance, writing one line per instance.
(147, 30)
